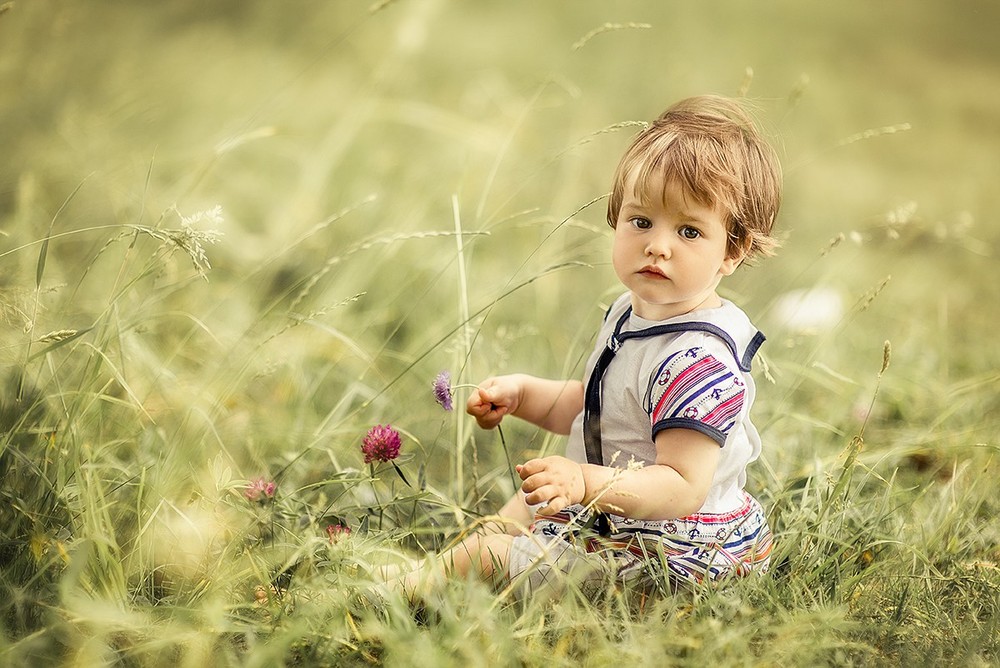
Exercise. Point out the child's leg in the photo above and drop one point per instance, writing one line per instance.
(516, 516)
(485, 553)
(481, 554)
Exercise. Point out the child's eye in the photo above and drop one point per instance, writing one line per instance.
(641, 223)
(690, 233)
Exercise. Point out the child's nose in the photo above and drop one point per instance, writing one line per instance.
(658, 245)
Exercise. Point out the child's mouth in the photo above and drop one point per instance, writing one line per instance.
(652, 272)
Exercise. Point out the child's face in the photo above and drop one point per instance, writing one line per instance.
(670, 252)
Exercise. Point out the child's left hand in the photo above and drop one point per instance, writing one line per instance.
(557, 481)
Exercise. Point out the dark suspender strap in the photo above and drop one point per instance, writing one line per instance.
(592, 413)
(592, 409)
(592, 397)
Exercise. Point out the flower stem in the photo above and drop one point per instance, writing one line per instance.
(378, 502)
(506, 452)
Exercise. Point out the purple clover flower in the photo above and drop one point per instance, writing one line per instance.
(442, 390)
(336, 532)
(260, 490)
(381, 444)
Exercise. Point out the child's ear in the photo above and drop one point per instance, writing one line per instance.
(732, 261)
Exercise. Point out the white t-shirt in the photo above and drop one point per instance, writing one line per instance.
(693, 372)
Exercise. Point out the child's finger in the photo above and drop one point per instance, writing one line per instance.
(476, 401)
(530, 468)
(492, 398)
(489, 421)
(477, 406)
(477, 410)
(553, 506)
(544, 494)
(488, 416)
(548, 500)
(535, 481)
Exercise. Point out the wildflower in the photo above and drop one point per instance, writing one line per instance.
(336, 532)
(442, 390)
(381, 443)
(260, 490)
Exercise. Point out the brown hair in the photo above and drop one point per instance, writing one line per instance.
(712, 148)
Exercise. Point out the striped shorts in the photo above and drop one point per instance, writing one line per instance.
(664, 553)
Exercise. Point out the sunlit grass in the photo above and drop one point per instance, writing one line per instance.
(385, 214)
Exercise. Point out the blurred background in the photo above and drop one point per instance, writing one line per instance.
(417, 185)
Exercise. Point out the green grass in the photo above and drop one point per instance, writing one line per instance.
(418, 186)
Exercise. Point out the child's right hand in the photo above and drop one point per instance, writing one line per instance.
(492, 400)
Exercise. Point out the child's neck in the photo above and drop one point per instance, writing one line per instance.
(657, 312)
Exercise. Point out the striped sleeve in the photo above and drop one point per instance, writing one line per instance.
(692, 389)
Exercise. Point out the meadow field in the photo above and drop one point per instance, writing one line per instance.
(235, 236)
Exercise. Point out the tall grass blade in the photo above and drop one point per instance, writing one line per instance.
(465, 349)
(43, 253)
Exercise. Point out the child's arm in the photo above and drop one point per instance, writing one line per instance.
(675, 486)
(549, 404)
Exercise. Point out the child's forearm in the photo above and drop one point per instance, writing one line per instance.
(676, 485)
(549, 404)
(654, 492)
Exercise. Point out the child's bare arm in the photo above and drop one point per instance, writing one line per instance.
(549, 404)
(675, 486)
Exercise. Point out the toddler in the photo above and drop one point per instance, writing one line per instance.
(652, 483)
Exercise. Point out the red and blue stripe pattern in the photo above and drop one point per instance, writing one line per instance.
(693, 389)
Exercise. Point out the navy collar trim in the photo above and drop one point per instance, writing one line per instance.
(743, 361)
